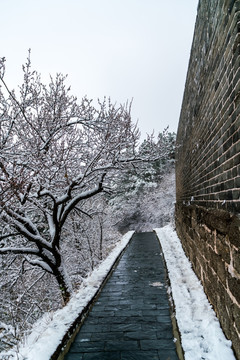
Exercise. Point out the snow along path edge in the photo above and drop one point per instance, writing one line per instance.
(201, 334)
(48, 332)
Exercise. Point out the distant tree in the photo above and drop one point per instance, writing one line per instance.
(55, 154)
(147, 172)
(164, 146)
(140, 194)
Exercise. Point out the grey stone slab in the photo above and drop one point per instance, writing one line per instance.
(116, 308)
(164, 318)
(87, 346)
(168, 355)
(143, 307)
(146, 319)
(150, 312)
(99, 314)
(129, 313)
(107, 336)
(163, 308)
(110, 307)
(102, 356)
(136, 319)
(140, 335)
(139, 355)
(71, 356)
(115, 295)
(111, 300)
(165, 335)
(99, 307)
(126, 327)
(125, 302)
(83, 336)
(163, 344)
(95, 328)
(93, 320)
(113, 320)
(114, 345)
(167, 328)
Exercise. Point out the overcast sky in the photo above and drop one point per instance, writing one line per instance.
(125, 49)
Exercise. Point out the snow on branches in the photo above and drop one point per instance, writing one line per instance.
(55, 154)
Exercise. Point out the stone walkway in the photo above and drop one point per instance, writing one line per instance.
(131, 318)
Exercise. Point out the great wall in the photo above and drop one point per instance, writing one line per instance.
(208, 160)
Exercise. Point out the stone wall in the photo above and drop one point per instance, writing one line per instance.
(208, 160)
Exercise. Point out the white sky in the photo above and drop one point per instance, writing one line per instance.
(119, 48)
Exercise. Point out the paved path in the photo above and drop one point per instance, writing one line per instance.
(131, 319)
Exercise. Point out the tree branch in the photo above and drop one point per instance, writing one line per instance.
(43, 265)
(83, 196)
(26, 228)
(19, 251)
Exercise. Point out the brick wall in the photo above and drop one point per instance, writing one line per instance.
(208, 160)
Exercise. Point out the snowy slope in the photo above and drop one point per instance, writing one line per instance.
(152, 207)
(201, 334)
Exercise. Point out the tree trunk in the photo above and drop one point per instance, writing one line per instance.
(64, 283)
(101, 241)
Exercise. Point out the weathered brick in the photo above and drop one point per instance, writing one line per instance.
(236, 260)
(218, 266)
(234, 173)
(236, 207)
(237, 182)
(222, 248)
(235, 338)
(219, 220)
(234, 232)
(234, 287)
(238, 147)
(236, 316)
(236, 194)
(230, 183)
(236, 159)
(236, 136)
(222, 312)
(229, 195)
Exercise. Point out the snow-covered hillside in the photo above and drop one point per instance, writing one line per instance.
(149, 208)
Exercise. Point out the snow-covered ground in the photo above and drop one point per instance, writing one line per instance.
(201, 334)
(48, 332)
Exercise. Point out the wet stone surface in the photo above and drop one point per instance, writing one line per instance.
(131, 318)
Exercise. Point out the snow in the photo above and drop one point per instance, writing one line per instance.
(40, 263)
(52, 227)
(201, 334)
(48, 332)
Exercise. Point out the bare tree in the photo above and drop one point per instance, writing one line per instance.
(55, 153)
